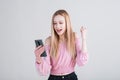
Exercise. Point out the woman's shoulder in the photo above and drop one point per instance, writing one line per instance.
(47, 40)
(77, 38)
(76, 35)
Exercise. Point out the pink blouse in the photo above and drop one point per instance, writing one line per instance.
(64, 64)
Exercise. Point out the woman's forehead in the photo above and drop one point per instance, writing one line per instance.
(59, 18)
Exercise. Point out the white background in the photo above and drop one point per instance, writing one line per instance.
(23, 21)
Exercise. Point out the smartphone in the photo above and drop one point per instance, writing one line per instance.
(38, 43)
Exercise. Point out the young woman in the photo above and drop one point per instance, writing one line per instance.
(63, 49)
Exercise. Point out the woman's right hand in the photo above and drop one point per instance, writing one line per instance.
(38, 51)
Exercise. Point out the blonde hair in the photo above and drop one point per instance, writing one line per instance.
(69, 35)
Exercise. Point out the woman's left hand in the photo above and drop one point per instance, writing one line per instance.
(83, 31)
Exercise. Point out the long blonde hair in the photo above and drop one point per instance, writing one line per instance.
(69, 35)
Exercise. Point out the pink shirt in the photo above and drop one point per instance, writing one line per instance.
(64, 64)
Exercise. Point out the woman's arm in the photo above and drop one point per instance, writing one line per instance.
(81, 48)
(43, 65)
(83, 36)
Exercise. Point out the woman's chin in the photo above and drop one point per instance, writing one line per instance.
(59, 34)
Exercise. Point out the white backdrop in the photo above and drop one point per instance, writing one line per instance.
(23, 21)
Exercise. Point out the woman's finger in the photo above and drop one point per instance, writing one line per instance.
(39, 50)
(38, 47)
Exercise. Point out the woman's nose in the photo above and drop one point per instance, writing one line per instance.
(58, 25)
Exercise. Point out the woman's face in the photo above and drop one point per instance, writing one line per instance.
(59, 25)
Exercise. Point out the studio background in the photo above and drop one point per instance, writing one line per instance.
(23, 21)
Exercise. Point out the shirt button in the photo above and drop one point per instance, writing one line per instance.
(62, 77)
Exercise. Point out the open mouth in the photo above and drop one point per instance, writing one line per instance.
(59, 30)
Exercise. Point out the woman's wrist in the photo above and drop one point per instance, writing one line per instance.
(84, 45)
(38, 60)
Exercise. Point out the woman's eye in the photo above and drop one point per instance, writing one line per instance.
(61, 23)
(54, 23)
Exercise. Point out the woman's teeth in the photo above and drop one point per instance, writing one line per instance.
(59, 30)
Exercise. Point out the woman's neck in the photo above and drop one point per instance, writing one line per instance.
(62, 38)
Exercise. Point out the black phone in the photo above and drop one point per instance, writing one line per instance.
(38, 43)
